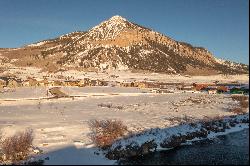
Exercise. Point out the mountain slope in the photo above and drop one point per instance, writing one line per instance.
(117, 44)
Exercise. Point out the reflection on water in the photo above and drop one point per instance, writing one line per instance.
(229, 149)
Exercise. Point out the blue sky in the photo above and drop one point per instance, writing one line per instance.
(221, 26)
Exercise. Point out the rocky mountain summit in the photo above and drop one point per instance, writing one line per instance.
(117, 44)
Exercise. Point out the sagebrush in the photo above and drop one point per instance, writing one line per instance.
(105, 132)
(17, 147)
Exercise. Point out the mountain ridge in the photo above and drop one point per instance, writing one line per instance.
(117, 44)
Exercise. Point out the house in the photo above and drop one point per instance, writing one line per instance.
(56, 83)
(172, 86)
(153, 85)
(102, 83)
(93, 83)
(75, 83)
(10, 81)
(113, 76)
(142, 84)
(46, 76)
(200, 86)
(222, 89)
(155, 90)
(236, 91)
(26, 83)
(84, 82)
(112, 83)
(71, 82)
(212, 91)
(161, 90)
(148, 85)
(60, 77)
(44, 82)
(231, 85)
(81, 83)
(163, 86)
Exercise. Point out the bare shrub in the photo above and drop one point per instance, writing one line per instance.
(243, 101)
(238, 110)
(17, 147)
(110, 106)
(105, 132)
(207, 119)
(239, 97)
(244, 104)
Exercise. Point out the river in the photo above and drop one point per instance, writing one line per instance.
(230, 149)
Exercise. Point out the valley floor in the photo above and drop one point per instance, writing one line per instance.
(61, 125)
(126, 75)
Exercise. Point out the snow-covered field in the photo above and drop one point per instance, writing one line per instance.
(61, 125)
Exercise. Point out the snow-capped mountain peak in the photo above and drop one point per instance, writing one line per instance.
(117, 18)
(110, 28)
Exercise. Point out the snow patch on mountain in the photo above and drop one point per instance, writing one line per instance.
(220, 61)
(38, 44)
